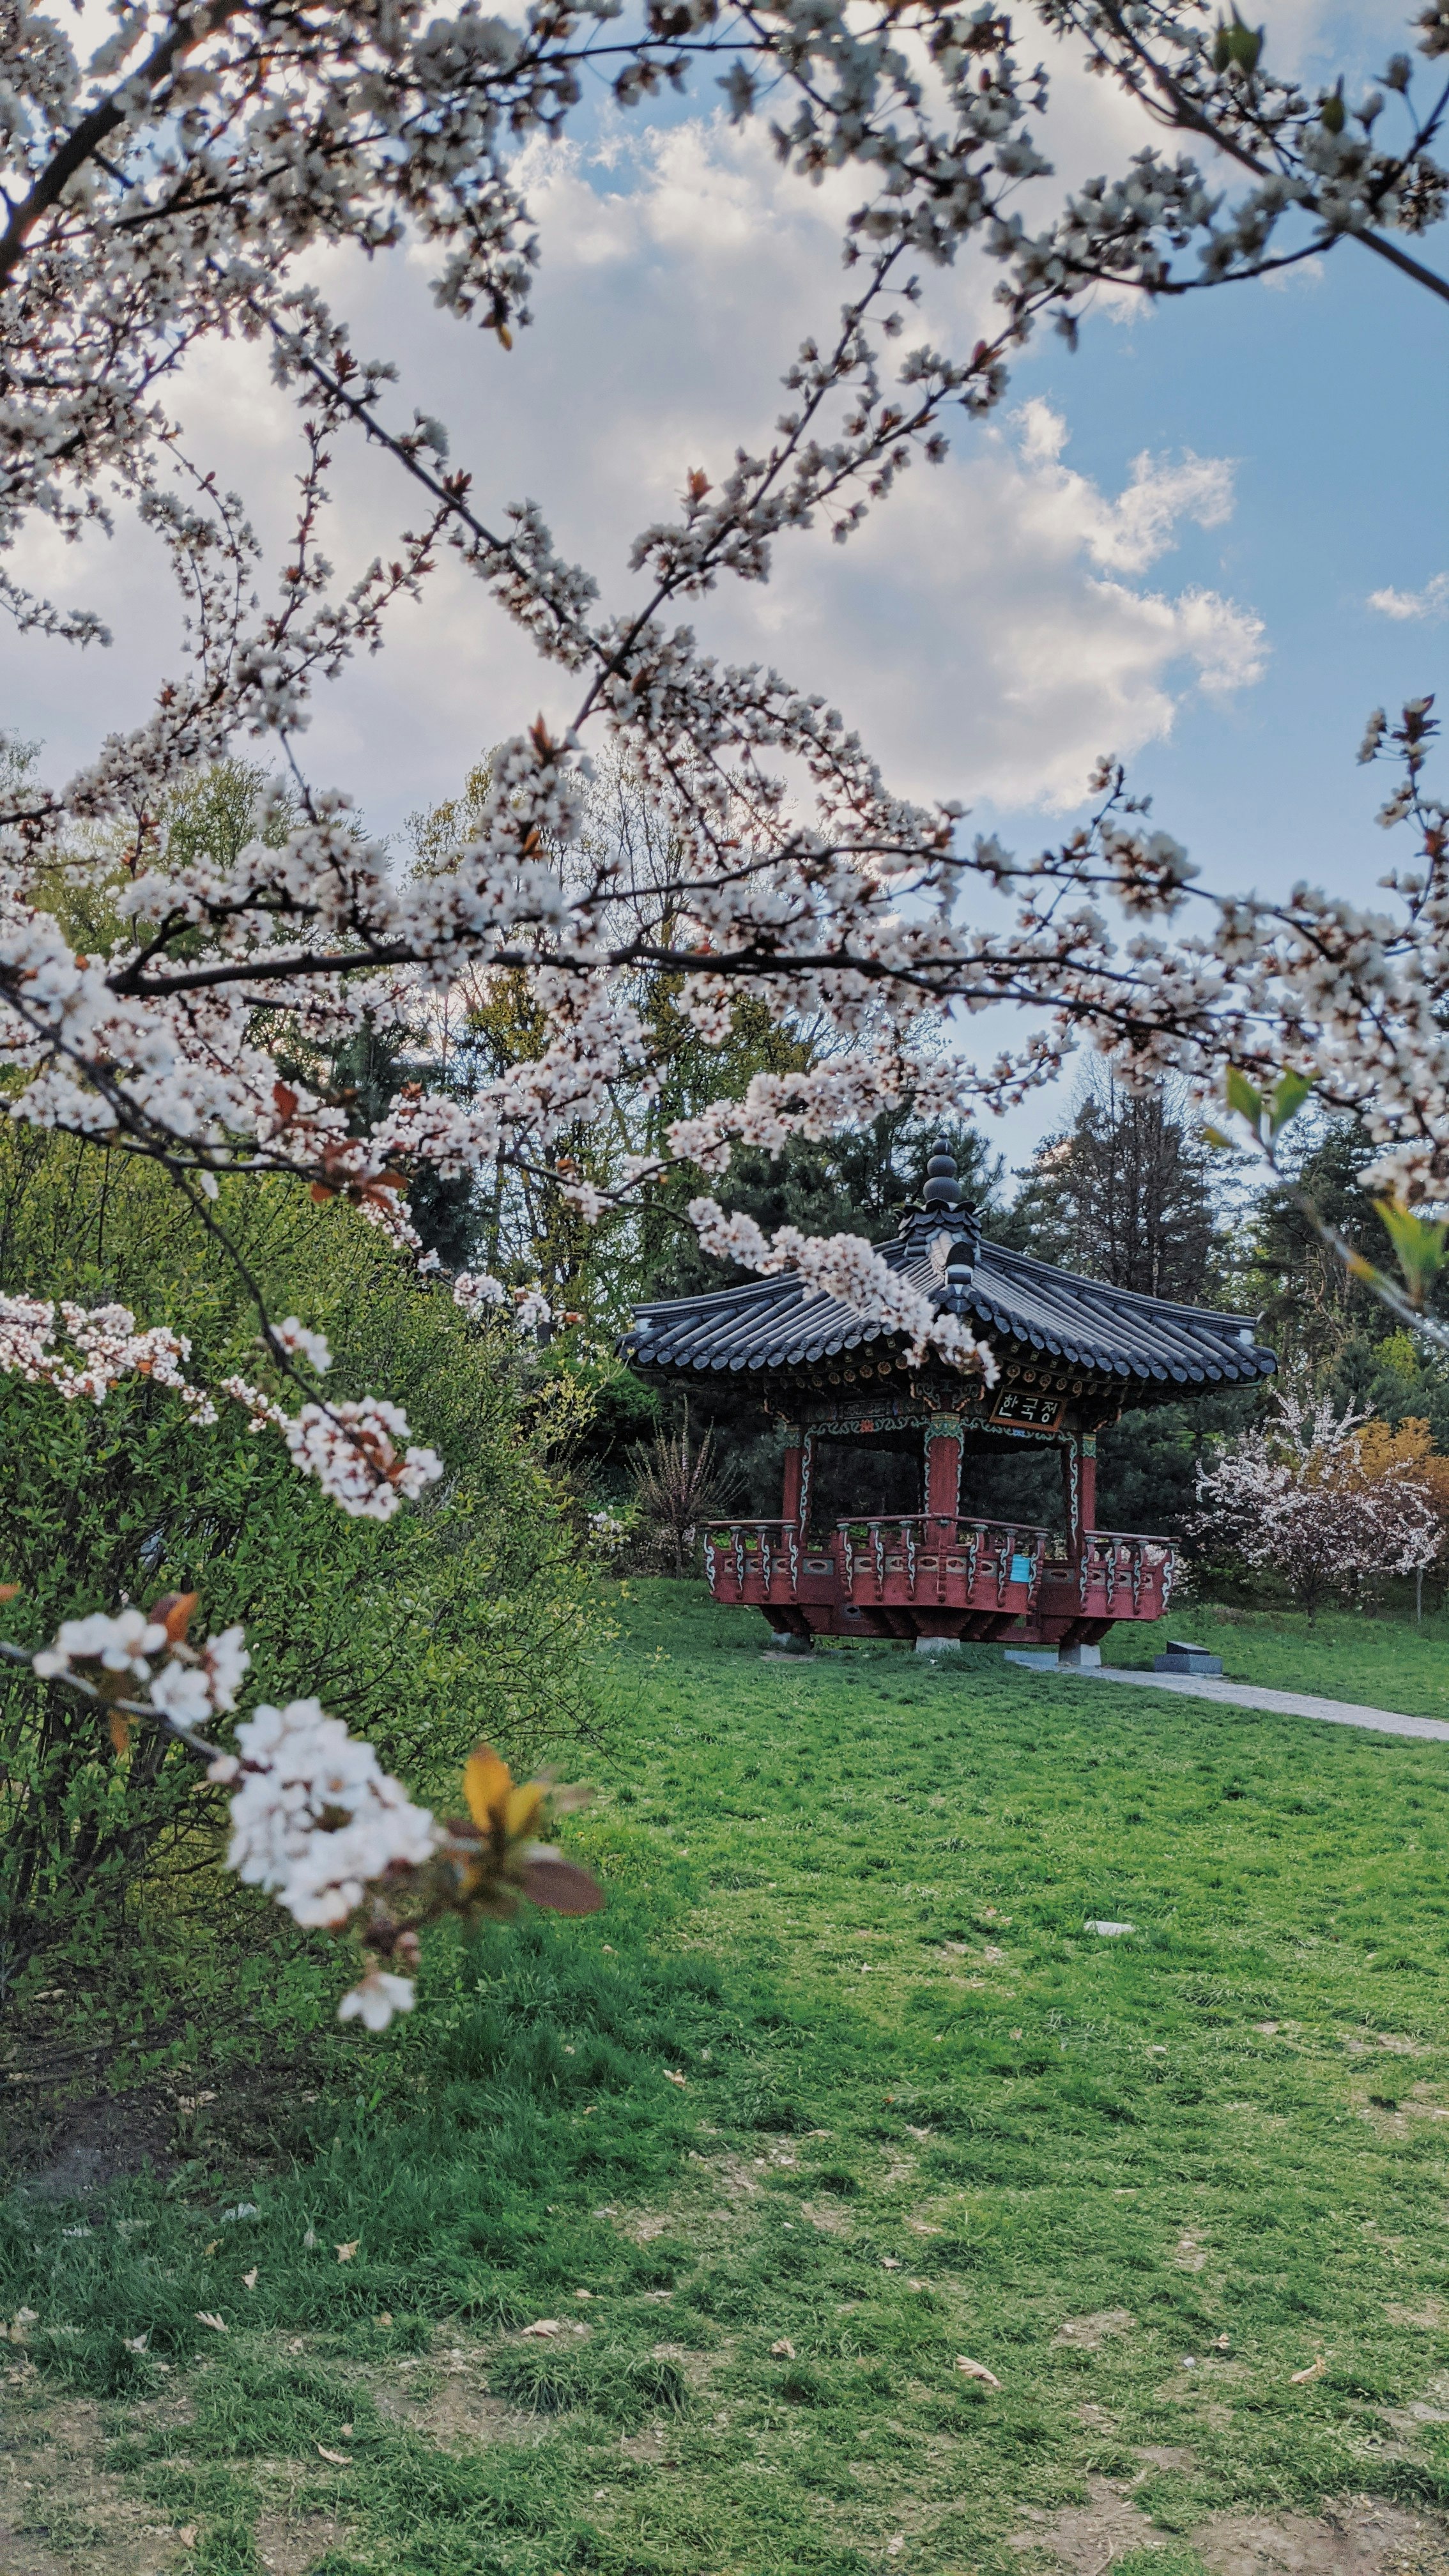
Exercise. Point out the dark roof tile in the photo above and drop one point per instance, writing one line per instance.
(779, 1324)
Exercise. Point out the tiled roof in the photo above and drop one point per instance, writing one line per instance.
(778, 1324)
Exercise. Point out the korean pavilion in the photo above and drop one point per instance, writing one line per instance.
(873, 1538)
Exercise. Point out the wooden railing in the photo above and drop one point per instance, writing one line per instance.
(1122, 1560)
(940, 1552)
(940, 1560)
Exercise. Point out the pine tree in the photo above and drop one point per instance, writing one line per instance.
(1124, 1193)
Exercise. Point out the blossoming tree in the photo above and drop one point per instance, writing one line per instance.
(1324, 1500)
(172, 189)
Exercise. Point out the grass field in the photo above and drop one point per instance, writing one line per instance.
(838, 2092)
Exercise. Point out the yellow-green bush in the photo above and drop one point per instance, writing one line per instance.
(464, 1616)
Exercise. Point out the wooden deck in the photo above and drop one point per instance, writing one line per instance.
(927, 1575)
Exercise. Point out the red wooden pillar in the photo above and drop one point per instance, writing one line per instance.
(943, 1473)
(1088, 1484)
(794, 1469)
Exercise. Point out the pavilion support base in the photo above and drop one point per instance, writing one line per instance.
(789, 1626)
(932, 1628)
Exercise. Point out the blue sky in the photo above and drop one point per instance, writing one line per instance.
(1331, 397)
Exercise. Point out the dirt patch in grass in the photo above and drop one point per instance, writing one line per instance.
(454, 2407)
(828, 2216)
(60, 2511)
(1354, 2537)
(1357, 2537)
(290, 2544)
(1087, 2537)
(1087, 2334)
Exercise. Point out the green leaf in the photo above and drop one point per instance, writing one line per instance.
(1293, 1089)
(1418, 1242)
(1245, 44)
(1214, 1136)
(1242, 1097)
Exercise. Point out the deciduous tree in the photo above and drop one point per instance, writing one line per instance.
(1331, 1503)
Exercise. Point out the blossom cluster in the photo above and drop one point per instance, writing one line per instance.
(479, 1293)
(352, 1449)
(139, 1651)
(850, 1269)
(106, 1347)
(1296, 1493)
(315, 1819)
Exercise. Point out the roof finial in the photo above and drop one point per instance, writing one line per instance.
(942, 1189)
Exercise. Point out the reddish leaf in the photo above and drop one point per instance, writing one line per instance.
(563, 1887)
(120, 1730)
(173, 1612)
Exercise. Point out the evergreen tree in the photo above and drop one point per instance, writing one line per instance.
(855, 1184)
(1314, 1311)
(1124, 1193)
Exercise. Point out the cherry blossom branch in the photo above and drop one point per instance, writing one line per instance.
(221, 164)
(315, 1821)
(141, 1710)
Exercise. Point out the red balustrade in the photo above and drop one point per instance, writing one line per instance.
(935, 1574)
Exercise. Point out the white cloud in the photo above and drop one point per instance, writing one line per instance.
(982, 632)
(988, 631)
(1431, 602)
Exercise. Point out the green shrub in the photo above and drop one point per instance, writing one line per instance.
(463, 1617)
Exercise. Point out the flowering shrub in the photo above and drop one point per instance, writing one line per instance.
(463, 1613)
(608, 1535)
(1312, 1495)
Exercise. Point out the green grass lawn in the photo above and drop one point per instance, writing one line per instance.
(838, 2091)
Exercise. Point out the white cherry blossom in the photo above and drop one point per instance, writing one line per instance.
(315, 1818)
(376, 1998)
